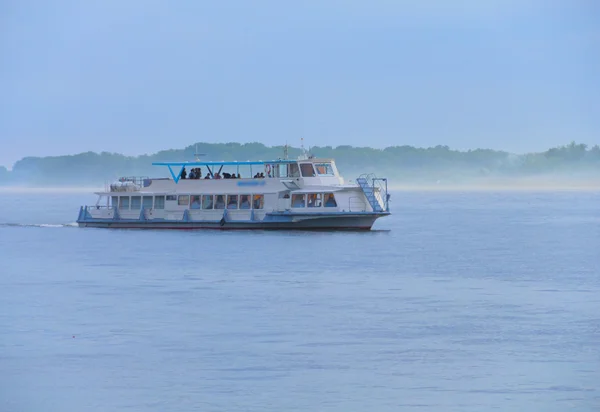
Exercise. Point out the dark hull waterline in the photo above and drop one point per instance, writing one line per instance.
(364, 222)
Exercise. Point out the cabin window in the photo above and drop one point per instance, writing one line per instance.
(244, 201)
(171, 198)
(315, 200)
(293, 170)
(147, 202)
(195, 202)
(220, 202)
(159, 202)
(232, 202)
(298, 200)
(324, 169)
(184, 200)
(330, 200)
(115, 201)
(258, 202)
(124, 202)
(281, 170)
(207, 202)
(136, 202)
(307, 170)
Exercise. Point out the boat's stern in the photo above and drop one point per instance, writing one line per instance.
(375, 190)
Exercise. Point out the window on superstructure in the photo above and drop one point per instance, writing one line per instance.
(307, 170)
(245, 202)
(281, 170)
(171, 198)
(298, 200)
(159, 202)
(147, 202)
(324, 169)
(114, 201)
(207, 202)
(293, 170)
(220, 202)
(195, 202)
(232, 202)
(184, 200)
(258, 201)
(136, 202)
(124, 202)
(315, 200)
(330, 200)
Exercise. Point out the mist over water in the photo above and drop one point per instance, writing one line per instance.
(459, 301)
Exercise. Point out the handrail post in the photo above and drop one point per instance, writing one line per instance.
(387, 197)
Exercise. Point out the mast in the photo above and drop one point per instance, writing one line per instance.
(303, 155)
(197, 155)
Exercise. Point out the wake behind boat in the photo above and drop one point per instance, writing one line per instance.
(306, 193)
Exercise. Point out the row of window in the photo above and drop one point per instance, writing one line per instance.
(313, 200)
(206, 202)
(210, 202)
(135, 202)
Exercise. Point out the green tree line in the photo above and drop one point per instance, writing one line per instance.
(402, 163)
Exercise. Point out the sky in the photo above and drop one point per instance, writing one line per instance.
(138, 76)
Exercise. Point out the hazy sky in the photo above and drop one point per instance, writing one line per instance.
(137, 76)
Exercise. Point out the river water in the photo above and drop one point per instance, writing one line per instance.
(459, 301)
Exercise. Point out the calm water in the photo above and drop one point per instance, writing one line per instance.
(458, 302)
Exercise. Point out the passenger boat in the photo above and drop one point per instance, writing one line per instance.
(305, 193)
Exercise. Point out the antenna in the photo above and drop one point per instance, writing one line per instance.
(197, 155)
(303, 155)
(285, 151)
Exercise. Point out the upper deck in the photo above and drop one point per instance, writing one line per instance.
(309, 171)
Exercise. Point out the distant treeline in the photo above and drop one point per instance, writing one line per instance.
(402, 163)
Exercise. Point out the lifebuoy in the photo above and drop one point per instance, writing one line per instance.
(268, 169)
